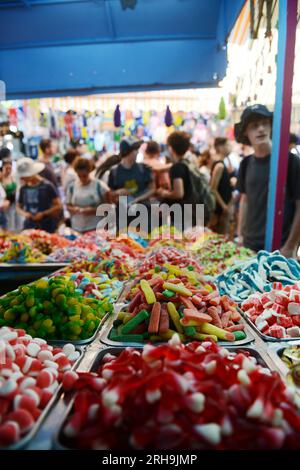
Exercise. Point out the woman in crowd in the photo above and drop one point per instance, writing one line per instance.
(183, 175)
(69, 175)
(10, 186)
(205, 163)
(4, 203)
(222, 188)
(84, 196)
(157, 164)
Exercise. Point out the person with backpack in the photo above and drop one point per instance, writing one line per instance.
(222, 188)
(84, 195)
(188, 184)
(255, 129)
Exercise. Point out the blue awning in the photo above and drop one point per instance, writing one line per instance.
(74, 47)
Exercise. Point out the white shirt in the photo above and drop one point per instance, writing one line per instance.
(91, 194)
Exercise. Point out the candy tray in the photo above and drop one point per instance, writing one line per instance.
(266, 338)
(275, 351)
(104, 335)
(61, 443)
(31, 434)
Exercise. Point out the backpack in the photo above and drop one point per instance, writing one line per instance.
(200, 192)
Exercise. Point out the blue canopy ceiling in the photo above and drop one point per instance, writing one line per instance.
(73, 47)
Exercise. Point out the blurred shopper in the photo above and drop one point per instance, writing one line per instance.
(294, 144)
(205, 164)
(192, 155)
(231, 160)
(4, 203)
(255, 129)
(131, 179)
(160, 169)
(10, 186)
(222, 188)
(38, 200)
(81, 147)
(178, 145)
(69, 175)
(84, 195)
(48, 150)
(188, 185)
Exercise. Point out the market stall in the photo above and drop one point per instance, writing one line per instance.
(166, 343)
(73, 382)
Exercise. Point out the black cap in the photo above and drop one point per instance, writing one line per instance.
(128, 145)
(255, 110)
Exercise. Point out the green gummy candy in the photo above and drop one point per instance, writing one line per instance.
(190, 268)
(157, 269)
(239, 335)
(189, 330)
(168, 293)
(128, 338)
(135, 321)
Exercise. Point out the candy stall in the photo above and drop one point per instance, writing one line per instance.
(23, 257)
(138, 344)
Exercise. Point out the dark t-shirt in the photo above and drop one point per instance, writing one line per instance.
(36, 199)
(224, 187)
(189, 213)
(135, 179)
(253, 180)
(181, 170)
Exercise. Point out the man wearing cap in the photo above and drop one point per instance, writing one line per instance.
(38, 200)
(129, 178)
(255, 129)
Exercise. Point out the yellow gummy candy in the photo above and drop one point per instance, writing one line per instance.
(179, 288)
(175, 316)
(203, 337)
(169, 334)
(147, 289)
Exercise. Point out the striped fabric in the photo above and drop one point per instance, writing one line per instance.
(241, 30)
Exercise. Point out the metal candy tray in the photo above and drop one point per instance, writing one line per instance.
(60, 442)
(22, 443)
(266, 338)
(275, 351)
(80, 342)
(104, 335)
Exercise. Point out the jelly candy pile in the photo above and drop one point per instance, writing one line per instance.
(172, 396)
